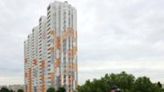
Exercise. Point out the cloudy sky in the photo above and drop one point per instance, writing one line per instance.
(113, 36)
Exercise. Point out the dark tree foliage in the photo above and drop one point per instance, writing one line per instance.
(12, 91)
(20, 90)
(159, 84)
(61, 89)
(51, 89)
(126, 82)
(4, 89)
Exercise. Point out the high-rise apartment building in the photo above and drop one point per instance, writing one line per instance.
(50, 51)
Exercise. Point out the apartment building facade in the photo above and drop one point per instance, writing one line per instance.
(50, 51)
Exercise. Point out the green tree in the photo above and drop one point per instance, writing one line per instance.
(4, 89)
(20, 90)
(159, 84)
(126, 82)
(143, 84)
(123, 80)
(61, 89)
(162, 90)
(51, 89)
(11, 91)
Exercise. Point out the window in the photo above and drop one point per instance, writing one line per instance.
(49, 57)
(48, 37)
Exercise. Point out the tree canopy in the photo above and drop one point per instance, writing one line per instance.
(4, 89)
(51, 89)
(126, 82)
(20, 90)
(61, 89)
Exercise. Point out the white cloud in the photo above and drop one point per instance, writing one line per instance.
(92, 69)
(11, 80)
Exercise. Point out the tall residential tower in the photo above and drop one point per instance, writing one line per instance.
(50, 51)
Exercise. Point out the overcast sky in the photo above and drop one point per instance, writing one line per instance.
(113, 36)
